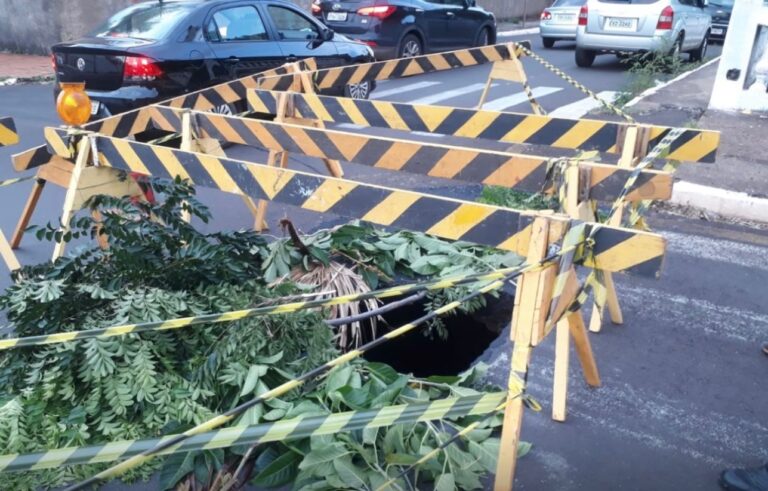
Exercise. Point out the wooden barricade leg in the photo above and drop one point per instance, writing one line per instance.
(69, 200)
(633, 146)
(511, 70)
(570, 326)
(26, 215)
(7, 253)
(532, 299)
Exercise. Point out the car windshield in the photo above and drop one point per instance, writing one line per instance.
(150, 22)
(568, 3)
(722, 3)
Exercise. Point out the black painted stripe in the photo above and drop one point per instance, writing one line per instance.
(478, 55)
(424, 213)
(151, 161)
(551, 132)
(482, 166)
(601, 140)
(371, 153)
(495, 229)
(424, 160)
(453, 122)
(298, 189)
(452, 60)
(359, 201)
(501, 125)
(411, 118)
(371, 115)
(327, 146)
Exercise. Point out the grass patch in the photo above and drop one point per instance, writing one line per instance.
(520, 200)
(648, 69)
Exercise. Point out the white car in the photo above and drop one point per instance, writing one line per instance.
(559, 22)
(627, 26)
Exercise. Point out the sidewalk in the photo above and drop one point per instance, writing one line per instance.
(24, 66)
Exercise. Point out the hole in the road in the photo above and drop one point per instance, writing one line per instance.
(469, 335)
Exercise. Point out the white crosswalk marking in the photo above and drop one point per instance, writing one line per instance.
(581, 107)
(381, 94)
(512, 100)
(448, 94)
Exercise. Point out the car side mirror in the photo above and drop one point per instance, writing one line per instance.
(328, 34)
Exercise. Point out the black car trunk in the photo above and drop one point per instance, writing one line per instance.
(96, 61)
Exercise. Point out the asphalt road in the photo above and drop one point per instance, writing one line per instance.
(684, 391)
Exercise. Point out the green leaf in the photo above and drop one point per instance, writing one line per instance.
(383, 372)
(486, 453)
(176, 467)
(523, 448)
(356, 398)
(279, 472)
(338, 378)
(349, 473)
(323, 455)
(369, 435)
(254, 373)
(401, 459)
(445, 482)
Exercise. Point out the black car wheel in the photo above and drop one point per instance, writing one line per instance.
(358, 91)
(483, 37)
(410, 46)
(585, 57)
(699, 53)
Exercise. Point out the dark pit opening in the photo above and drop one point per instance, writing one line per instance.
(469, 335)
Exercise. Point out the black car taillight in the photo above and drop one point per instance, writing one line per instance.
(546, 15)
(140, 68)
(378, 11)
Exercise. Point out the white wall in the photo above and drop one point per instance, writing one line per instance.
(739, 53)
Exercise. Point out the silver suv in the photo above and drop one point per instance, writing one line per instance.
(631, 26)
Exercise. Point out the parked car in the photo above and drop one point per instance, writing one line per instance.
(559, 22)
(404, 28)
(720, 11)
(157, 50)
(632, 26)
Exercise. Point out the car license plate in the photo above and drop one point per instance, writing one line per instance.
(565, 19)
(717, 31)
(337, 16)
(620, 24)
(95, 106)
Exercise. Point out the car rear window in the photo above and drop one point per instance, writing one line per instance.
(722, 3)
(569, 3)
(151, 22)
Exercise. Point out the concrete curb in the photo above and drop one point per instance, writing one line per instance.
(518, 32)
(680, 77)
(727, 203)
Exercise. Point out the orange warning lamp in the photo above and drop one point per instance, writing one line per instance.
(73, 104)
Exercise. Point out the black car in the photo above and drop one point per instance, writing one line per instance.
(403, 28)
(720, 11)
(157, 50)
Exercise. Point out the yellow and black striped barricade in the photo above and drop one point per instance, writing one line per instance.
(8, 136)
(504, 228)
(283, 430)
(695, 145)
(520, 171)
(400, 67)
